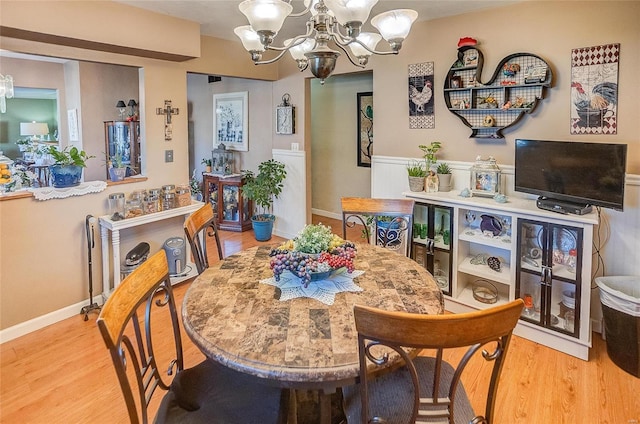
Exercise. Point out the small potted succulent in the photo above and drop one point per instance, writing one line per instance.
(444, 176)
(207, 164)
(417, 173)
(66, 170)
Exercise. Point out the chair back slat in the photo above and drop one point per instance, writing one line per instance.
(386, 222)
(143, 296)
(437, 385)
(197, 227)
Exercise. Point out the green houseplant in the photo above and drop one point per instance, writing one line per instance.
(118, 169)
(430, 151)
(444, 176)
(263, 189)
(207, 164)
(416, 173)
(66, 170)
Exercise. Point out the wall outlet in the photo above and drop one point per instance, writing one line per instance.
(168, 155)
(295, 147)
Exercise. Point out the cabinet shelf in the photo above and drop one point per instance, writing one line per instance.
(476, 236)
(466, 297)
(483, 271)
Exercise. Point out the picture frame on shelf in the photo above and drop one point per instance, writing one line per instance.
(231, 120)
(455, 82)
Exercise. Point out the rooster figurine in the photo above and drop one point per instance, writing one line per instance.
(420, 98)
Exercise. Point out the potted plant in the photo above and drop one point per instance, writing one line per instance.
(207, 164)
(66, 170)
(444, 176)
(263, 189)
(118, 169)
(196, 187)
(430, 153)
(416, 173)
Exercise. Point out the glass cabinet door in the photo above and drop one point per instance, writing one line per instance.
(548, 275)
(431, 245)
(212, 189)
(230, 203)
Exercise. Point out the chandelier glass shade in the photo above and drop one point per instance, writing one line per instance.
(331, 21)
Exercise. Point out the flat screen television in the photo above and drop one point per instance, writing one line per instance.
(587, 174)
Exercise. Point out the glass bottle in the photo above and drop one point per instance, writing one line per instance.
(116, 206)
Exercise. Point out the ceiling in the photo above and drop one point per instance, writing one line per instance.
(218, 18)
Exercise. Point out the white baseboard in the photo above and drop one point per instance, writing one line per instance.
(37, 323)
(328, 214)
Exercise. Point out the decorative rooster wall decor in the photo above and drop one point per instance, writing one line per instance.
(515, 88)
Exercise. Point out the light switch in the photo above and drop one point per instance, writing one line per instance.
(168, 155)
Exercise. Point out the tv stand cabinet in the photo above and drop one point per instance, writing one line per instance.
(544, 258)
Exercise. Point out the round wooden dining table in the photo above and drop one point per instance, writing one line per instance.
(301, 343)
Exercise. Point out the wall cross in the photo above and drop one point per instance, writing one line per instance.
(167, 111)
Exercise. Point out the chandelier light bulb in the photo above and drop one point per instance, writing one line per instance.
(250, 39)
(369, 39)
(265, 15)
(351, 10)
(298, 51)
(395, 25)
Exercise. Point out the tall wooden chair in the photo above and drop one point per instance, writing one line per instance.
(146, 360)
(197, 227)
(426, 388)
(385, 222)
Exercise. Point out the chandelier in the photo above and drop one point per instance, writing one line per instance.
(339, 21)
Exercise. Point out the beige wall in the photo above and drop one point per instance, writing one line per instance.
(548, 29)
(42, 246)
(334, 163)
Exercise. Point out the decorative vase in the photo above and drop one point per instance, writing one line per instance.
(117, 174)
(444, 182)
(262, 228)
(65, 175)
(416, 183)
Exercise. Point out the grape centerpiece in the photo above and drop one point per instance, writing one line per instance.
(313, 254)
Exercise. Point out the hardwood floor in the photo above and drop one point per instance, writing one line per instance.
(63, 374)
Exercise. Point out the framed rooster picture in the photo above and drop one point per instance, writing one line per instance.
(365, 128)
(421, 104)
(594, 89)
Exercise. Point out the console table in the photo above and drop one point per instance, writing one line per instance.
(111, 229)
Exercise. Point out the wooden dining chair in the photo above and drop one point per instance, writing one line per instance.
(197, 227)
(146, 360)
(385, 222)
(427, 387)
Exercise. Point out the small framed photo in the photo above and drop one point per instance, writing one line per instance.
(455, 82)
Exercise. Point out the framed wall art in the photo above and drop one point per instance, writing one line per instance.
(231, 120)
(365, 128)
(594, 89)
(421, 103)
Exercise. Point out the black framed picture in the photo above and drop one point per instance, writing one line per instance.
(365, 128)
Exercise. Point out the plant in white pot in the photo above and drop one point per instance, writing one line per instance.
(417, 173)
(118, 170)
(66, 170)
(444, 177)
(263, 189)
